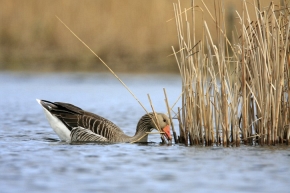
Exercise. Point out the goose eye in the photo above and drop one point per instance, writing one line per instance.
(164, 120)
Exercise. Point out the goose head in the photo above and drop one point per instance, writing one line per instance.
(163, 123)
(147, 123)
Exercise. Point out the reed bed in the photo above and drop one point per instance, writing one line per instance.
(130, 35)
(234, 91)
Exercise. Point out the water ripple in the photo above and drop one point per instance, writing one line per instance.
(33, 159)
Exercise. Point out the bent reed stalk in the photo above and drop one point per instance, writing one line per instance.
(234, 91)
(154, 119)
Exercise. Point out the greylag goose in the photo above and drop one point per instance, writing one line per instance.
(72, 124)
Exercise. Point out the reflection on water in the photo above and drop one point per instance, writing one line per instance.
(32, 159)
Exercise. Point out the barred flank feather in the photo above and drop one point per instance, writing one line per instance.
(79, 134)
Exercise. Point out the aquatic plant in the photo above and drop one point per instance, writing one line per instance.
(235, 90)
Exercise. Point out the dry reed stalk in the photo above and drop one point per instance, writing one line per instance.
(181, 138)
(247, 97)
(244, 86)
(155, 120)
(170, 117)
(103, 64)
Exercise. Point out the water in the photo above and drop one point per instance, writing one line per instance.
(32, 159)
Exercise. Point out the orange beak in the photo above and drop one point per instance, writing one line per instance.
(166, 131)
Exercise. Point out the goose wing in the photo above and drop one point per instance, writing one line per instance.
(73, 116)
(79, 134)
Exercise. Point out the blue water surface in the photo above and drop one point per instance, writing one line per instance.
(32, 159)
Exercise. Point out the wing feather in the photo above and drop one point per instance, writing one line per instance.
(80, 134)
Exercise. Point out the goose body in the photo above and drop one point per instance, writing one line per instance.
(73, 124)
